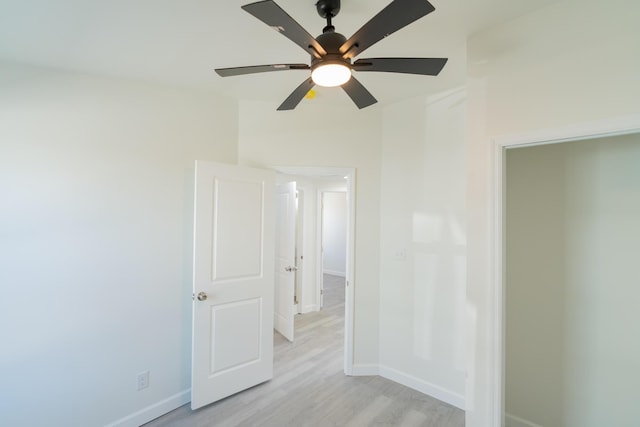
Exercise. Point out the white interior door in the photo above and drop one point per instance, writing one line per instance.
(233, 282)
(285, 259)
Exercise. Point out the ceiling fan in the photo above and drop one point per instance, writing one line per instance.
(331, 52)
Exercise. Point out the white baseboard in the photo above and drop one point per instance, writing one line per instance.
(153, 411)
(309, 308)
(335, 273)
(365, 370)
(513, 421)
(422, 386)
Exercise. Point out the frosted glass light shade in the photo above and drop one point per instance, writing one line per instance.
(330, 75)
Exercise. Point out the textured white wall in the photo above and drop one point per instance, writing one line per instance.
(329, 135)
(96, 186)
(423, 245)
(569, 63)
(334, 232)
(573, 223)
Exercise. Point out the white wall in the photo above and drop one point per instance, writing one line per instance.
(572, 283)
(329, 135)
(334, 233)
(96, 187)
(572, 62)
(423, 245)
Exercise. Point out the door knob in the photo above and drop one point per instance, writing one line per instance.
(202, 296)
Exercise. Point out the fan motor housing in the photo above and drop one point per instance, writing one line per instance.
(331, 41)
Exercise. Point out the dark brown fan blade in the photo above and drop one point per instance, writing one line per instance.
(296, 96)
(238, 71)
(398, 14)
(358, 93)
(425, 66)
(271, 14)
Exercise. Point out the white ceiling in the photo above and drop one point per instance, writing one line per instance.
(180, 42)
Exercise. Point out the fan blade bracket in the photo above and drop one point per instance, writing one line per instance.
(362, 63)
(346, 54)
(315, 53)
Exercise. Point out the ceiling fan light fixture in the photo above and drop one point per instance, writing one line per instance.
(330, 74)
(332, 54)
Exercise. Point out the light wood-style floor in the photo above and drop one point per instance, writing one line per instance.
(309, 387)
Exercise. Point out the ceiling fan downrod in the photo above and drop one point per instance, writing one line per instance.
(328, 9)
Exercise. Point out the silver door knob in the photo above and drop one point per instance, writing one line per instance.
(202, 296)
(289, 268)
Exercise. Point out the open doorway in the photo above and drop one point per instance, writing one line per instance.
(311, 184)
(571, 238)
(592, 200)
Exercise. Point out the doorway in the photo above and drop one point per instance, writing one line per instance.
(311, 183)
(610, 129)
(571, 283)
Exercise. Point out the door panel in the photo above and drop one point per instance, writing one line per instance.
(237, 229)
(233, 267)
(228, 323)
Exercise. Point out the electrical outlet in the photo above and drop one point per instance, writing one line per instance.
(143, 380)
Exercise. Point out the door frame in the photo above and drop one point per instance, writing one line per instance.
(350, 175)
(496, 299)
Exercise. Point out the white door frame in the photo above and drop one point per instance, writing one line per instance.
(350, 175)
(582, 131)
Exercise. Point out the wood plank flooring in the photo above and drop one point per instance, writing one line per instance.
(309, 387)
